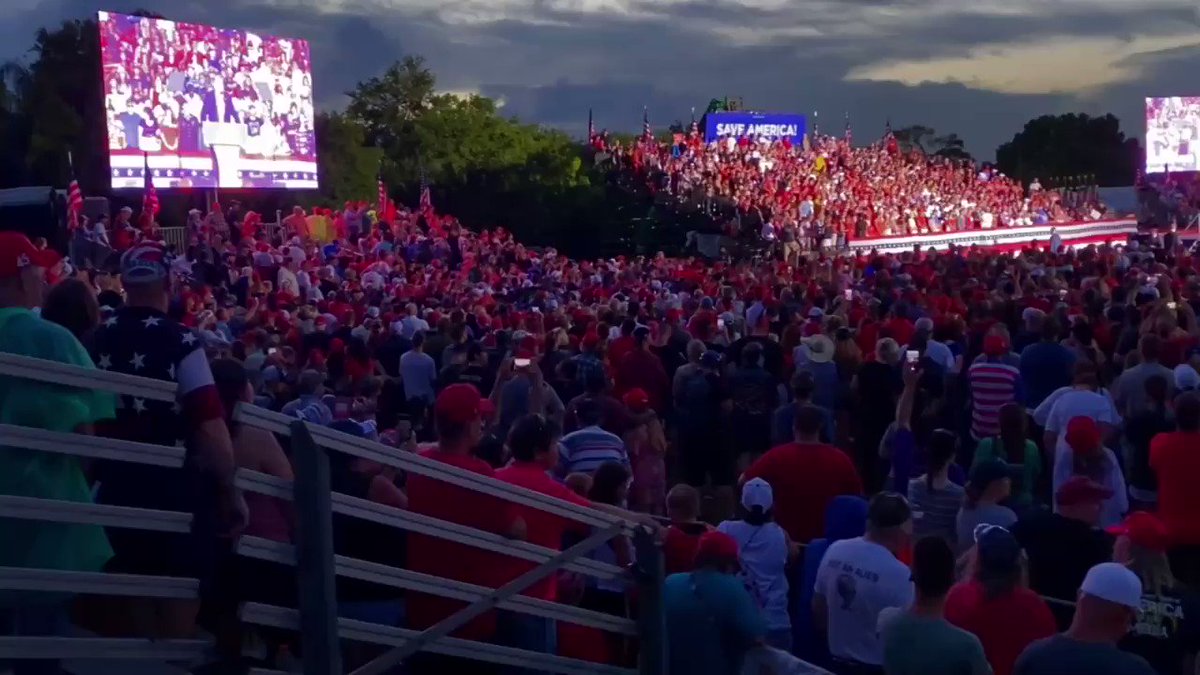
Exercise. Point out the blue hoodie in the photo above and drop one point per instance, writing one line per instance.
(845, 518)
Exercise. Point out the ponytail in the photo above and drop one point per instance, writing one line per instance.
(757, 516)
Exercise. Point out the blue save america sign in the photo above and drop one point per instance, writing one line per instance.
(767, 125)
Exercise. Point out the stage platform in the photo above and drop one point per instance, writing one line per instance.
(1005, 239)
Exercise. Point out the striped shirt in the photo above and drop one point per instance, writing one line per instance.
(993, 384)
(583, 451)
(934, 511)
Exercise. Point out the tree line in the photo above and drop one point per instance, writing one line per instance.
(486, 168)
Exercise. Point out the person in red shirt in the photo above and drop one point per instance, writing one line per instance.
(995, 605)
(1175, 459)
(683, 535)
(805, 476)
(533, 442)
(458, 414)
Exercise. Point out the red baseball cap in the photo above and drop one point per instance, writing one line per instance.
(995, 345)
(1083, 435)
(462, 403)
(1081, 490)
(1143, 529)
(636, 400)
(17, 253)
(716, 547)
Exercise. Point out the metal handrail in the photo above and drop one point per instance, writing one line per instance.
(346, 505)
(97, 583)
(17, 581)
(361, 631)
(91, 447)
(87, 513)
(423, 466)
(395, 577)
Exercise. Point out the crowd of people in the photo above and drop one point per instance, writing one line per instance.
(911, 463)
(831, 189)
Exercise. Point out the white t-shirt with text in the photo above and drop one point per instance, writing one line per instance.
(859, 579)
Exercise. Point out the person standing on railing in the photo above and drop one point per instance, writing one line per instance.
(30, 543)
(140, 339)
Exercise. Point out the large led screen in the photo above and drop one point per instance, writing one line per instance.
(1173, 134)
(206, 107)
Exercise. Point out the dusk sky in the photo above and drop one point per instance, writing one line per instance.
(975, 68)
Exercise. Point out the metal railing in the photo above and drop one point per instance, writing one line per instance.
(56, 513)
(317, 564)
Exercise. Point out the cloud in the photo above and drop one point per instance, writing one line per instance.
(978, 69)
(1062, 64)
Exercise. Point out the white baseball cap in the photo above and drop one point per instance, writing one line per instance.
(757, 492)
(1114, 583)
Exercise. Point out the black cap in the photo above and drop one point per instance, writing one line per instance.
(888, 509)
(999, 550)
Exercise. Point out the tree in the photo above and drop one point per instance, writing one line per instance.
(348, 168)
(388, 106)
(1052, 147)
(927, 141)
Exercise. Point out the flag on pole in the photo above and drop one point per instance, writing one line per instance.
(382, 190)
(426, 198)
(647, 134)
(887, 128)
(74, 196)
(591, 126)
(149, 194)
(849, 134)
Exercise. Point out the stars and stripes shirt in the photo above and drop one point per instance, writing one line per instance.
(145, 342)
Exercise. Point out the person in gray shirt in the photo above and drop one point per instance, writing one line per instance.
(1109, 599)
(1129, 389)
(418, 372)
(989, 483)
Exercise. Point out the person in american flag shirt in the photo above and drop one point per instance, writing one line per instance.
(139, 339)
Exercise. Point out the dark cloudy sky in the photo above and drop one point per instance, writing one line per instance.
(977, 68)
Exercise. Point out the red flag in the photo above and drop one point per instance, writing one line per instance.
(74, 197)
(149, 194)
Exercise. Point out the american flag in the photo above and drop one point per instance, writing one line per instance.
(149, 194)
(426, 199)
(383, 191)
(647, 133)
(849, 134)
(74, 196)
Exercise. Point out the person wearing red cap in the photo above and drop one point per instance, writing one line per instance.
(1064, 544)
(712, 620)
(994, 381)
(1167, 629)
(1085, 455)
(458, 413)
(27, 403)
